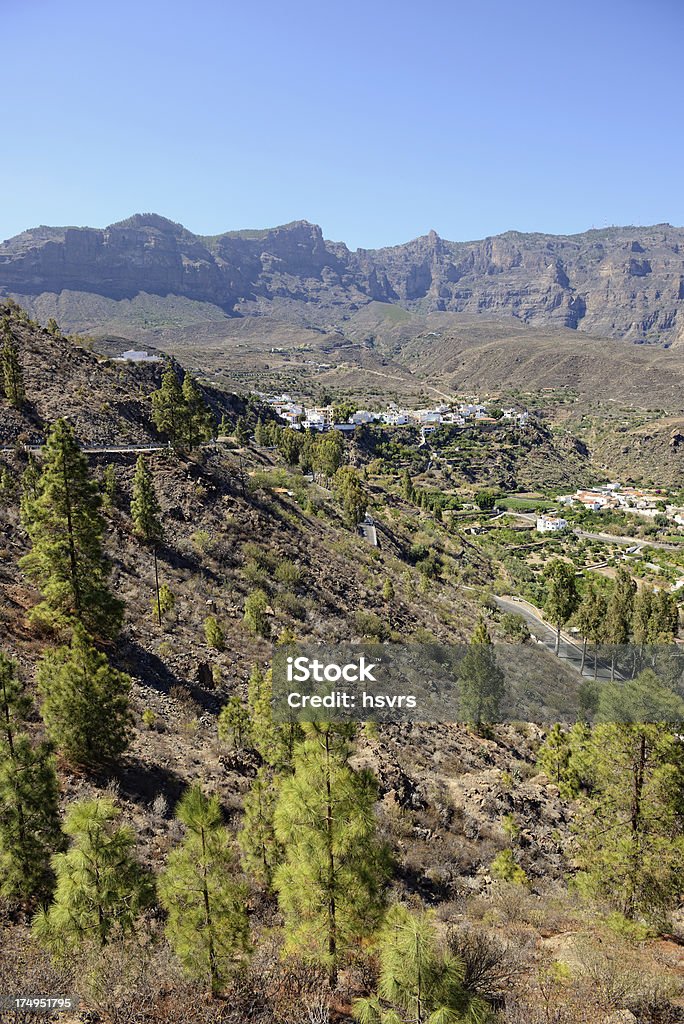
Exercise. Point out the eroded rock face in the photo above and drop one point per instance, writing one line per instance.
(617, 282)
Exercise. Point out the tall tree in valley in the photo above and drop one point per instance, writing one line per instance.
(261, 851)
(168, 406)
(101, 889)
(481, 681)
(619, 613)
(590, 617)
(560, 594)
(197, 421)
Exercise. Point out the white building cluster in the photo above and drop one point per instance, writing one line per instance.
(299, 416)
(615, 496)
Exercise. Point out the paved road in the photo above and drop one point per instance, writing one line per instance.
(634, 542)
(368, 530)
(570, 650)
(95, 449)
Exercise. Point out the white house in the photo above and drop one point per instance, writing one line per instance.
(396, 418)
(551, 524)
(362, 416)
(315, 420)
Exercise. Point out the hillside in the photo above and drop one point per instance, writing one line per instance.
(107, 401)
(236, 519)
(622, 282)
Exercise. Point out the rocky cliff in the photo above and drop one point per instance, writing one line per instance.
(617, 282)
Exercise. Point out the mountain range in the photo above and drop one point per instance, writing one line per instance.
(617, 282)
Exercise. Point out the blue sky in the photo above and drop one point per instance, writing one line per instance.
(379, 120)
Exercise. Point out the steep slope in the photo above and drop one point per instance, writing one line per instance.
(106, 401)
(624, 282)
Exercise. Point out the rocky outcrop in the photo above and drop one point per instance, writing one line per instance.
(616, 282)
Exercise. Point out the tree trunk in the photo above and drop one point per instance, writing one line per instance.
(70, 534)
(635, 822)
(13, 758)
(332, 922)
(213, 968)
(584, 655)
(156, 586)
(558, 629)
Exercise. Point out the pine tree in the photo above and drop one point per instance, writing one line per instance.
(482, 682)
(589, 618)
(100, 886)
(12, 374)
(29, 819)
(275, 742)
(641, 617)
(262, 727)
(168, 407)
(146, 515)
(330, 883)
(234, 723)
(213, 633)
(555, 759)
(260, 434)
(109, 486)
(7, 484)
(618, 621)
(630, 828)
(207, 924)
(145, 510)
(407, 486)
(65, 526)
(85, 703)
(30, 482)
(197, 422)
(664, 618)
(351, 491)
(255, 617)
(241, 431)
(419, 982)
(561, 597)
(261, 851)
(327, 454)
(644, 699)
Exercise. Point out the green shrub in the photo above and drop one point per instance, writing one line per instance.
(290, 604)
(149, 719)
(289, 575)
(255, 617)
(214, 634)
(370, 625)
(505, 869)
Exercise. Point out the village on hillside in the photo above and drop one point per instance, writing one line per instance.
(613, 497)
(301, 417)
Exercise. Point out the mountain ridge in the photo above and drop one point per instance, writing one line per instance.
(624, 282)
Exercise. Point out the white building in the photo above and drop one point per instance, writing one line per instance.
(396, 418)
(315, 421)
(362, 416)
(551, 524)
